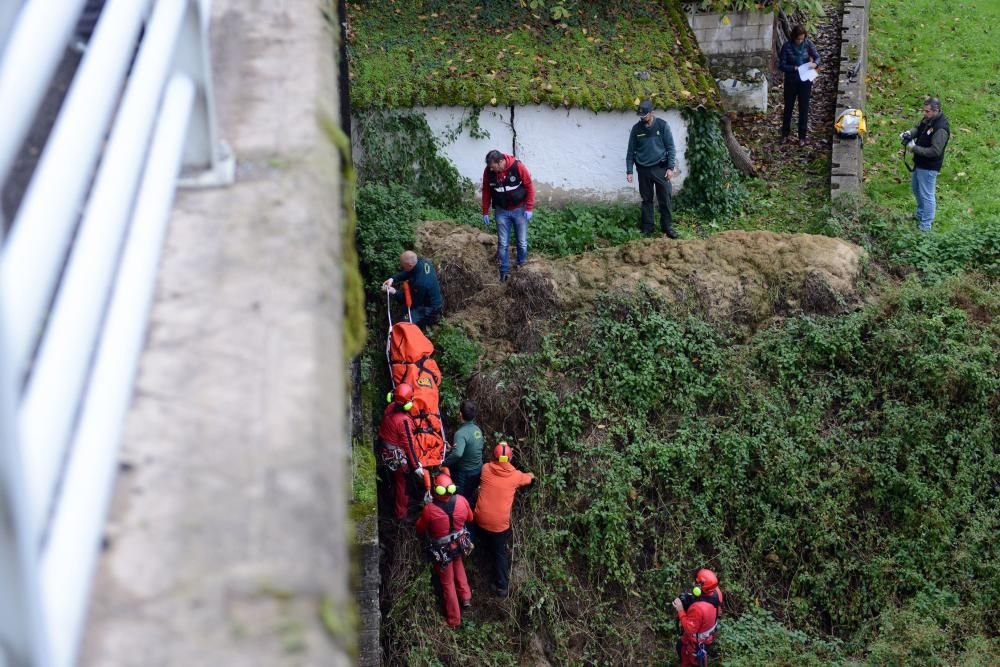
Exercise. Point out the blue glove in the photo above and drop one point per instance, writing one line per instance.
(486, 219)
(529, 215)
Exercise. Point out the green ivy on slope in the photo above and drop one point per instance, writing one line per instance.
(387, 216)
(829, 470)
(892, 239)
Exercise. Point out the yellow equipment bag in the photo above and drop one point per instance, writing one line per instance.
(851, 123)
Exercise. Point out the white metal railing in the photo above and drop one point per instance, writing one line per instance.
(77, 274)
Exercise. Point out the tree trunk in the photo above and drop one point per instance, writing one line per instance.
(736, 152)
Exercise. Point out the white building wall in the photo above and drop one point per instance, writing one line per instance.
(572, 154)
(580, 154)
(468, 154)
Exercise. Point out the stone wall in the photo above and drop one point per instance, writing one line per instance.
(738, 48)
(847, 157)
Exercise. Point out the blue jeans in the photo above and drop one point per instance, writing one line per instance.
(504, 220)
(922, 182)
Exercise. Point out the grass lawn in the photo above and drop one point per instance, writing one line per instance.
(951, 50)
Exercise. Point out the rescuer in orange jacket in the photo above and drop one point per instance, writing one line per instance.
(396, 451)
(498, 484)
(443, 523)
(698, 613)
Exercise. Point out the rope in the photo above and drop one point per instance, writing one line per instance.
(388, 338)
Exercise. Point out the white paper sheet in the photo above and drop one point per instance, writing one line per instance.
(807, 72)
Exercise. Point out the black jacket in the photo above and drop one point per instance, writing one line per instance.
(931, 137)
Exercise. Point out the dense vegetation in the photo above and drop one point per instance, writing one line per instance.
(838, 472)
(829, 467)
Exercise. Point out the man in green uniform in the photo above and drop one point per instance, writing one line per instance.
(465, 460)
(651, 150)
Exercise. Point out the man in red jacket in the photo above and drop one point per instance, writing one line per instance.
(396, 451)
(443, 522)
(507, 186)
(698, 613)
(498, 484)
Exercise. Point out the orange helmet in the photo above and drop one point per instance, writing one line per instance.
(402, 394)
(502, 452)
(443, 486)
(706, 581)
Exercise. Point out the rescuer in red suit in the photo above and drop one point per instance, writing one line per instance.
(395, 435)
(443, 523)
(698, 613)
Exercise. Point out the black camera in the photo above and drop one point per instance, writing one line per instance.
(905, 137)
(687, 599)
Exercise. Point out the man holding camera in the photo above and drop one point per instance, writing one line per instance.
(927, 141)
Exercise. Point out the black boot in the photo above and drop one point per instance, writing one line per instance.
(667, 220)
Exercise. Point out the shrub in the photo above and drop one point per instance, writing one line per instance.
(578, 228)
(713, 187)
(386, 227)
(398, 147)
(458, 356)
(827, 469)
(894, 241)
(756, 638)
(965, 248)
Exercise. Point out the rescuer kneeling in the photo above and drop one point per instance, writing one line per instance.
(698, 613)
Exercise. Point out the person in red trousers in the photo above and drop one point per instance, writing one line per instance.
(395, 435)
(442, 522)
(698, 613)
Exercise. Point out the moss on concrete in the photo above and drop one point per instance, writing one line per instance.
(354, 295)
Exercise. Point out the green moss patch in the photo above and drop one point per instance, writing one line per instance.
(603, 57)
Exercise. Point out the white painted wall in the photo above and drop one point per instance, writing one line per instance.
(579, 154)
(468, 154)
(572, 154)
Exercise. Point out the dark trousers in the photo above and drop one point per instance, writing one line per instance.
(650, 178)
(425, 316)
(800, 90)
(494, 546)
(468, 484)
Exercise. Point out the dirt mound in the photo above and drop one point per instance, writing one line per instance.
(743, 277)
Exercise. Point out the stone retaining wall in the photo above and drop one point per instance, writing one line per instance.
(738, 47)
(847, 157)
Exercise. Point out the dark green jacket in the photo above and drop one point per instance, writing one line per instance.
(467, 449)
(650, 146)
(423, 285)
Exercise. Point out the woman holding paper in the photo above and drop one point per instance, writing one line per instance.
(798, 60)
